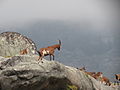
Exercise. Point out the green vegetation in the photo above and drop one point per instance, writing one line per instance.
(72, 87)
(7, 56)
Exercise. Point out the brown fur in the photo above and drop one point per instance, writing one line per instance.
(24, 51)
(105, 80)
(98, 75)
(91, 73)
(49, 50)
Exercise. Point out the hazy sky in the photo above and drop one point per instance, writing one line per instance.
(101, 13)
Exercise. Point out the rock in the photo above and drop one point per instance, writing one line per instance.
(26, 73)
(11, 43)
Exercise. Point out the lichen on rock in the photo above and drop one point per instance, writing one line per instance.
(11, 43)
(25, 73)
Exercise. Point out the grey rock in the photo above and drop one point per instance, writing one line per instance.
(11, 43)
(25, 72)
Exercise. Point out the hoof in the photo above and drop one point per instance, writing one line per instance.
(40, 61)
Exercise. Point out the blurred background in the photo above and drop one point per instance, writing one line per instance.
(89, 29)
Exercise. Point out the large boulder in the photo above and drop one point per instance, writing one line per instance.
(26, 73)
(11, 43)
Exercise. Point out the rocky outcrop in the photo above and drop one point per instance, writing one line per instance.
(11, 43)
(26, 73)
